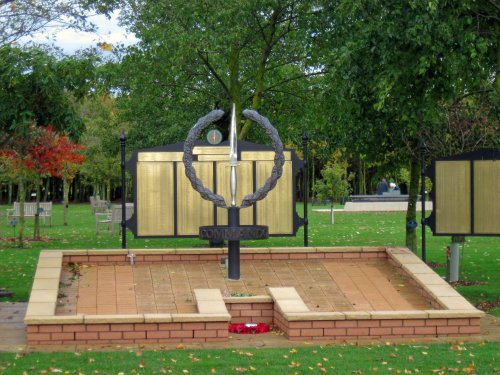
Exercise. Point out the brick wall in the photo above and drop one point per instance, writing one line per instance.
(126, 333)
(260, 312)
(375, 328)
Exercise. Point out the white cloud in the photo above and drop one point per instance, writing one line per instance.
(70, 41)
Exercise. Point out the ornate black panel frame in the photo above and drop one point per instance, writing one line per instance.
(243, 146)
(492, 154)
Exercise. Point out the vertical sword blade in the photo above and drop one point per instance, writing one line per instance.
(233, 139)
(233, 156)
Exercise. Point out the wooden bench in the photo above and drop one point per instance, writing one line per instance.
(45, 211)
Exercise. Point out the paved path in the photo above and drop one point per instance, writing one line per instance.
(13, 337)
(12, 329)
(375, 207)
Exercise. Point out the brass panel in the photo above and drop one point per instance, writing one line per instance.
(276, 210)
(160, 156)
(245, 187)
(453, 206)
(192, 210)
(211, 150)
(487, 197)
(263, 155)
(155, 203)
(222, 157)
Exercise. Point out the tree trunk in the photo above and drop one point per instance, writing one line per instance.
(54, 189)
(9, 198)
(108, 190)
(66, 184)
(36, 232)
(411, 213)
(362, 177)
(46, 191)
(21, 196)
(497, 76)
(311, 176)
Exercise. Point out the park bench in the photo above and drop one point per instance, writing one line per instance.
(98, 205)
(112, 218)
(45, 211)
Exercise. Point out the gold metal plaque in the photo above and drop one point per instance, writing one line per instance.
(486, 197)
(208, 157)
(453, 194)
(275, 210)
(155, 203)
(263, 155)
(192, 210)
(245, 187)
(211, 150)
(160, 156)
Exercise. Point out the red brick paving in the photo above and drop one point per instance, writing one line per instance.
(167, 288)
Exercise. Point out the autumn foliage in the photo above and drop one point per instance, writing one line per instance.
(46, 153)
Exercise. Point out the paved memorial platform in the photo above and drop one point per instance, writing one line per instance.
(169, 295)
(168, 288)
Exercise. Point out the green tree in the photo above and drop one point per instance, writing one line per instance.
(36, 90)
(395, 68)
(197, 55)
(101, 168)
(334, 185)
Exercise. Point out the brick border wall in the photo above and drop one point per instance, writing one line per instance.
(376, 328)
(251, 312)
(453, 314)
(185, 256)
(126, 333)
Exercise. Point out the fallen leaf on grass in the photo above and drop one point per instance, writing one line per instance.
(246, 354)
(470, 370)
(142, 364)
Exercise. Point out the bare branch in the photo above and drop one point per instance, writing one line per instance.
(214, 73)
(294, 78)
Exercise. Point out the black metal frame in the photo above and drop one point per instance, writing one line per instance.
(483, 154)
(243, 146)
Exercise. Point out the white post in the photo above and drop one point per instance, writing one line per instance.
(454, 261)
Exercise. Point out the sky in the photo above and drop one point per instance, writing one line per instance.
(70, 40)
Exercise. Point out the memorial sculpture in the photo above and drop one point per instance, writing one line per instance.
(233, 232)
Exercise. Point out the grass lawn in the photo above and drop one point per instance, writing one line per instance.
(480, 258)
(387, 359)
(480, 261)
